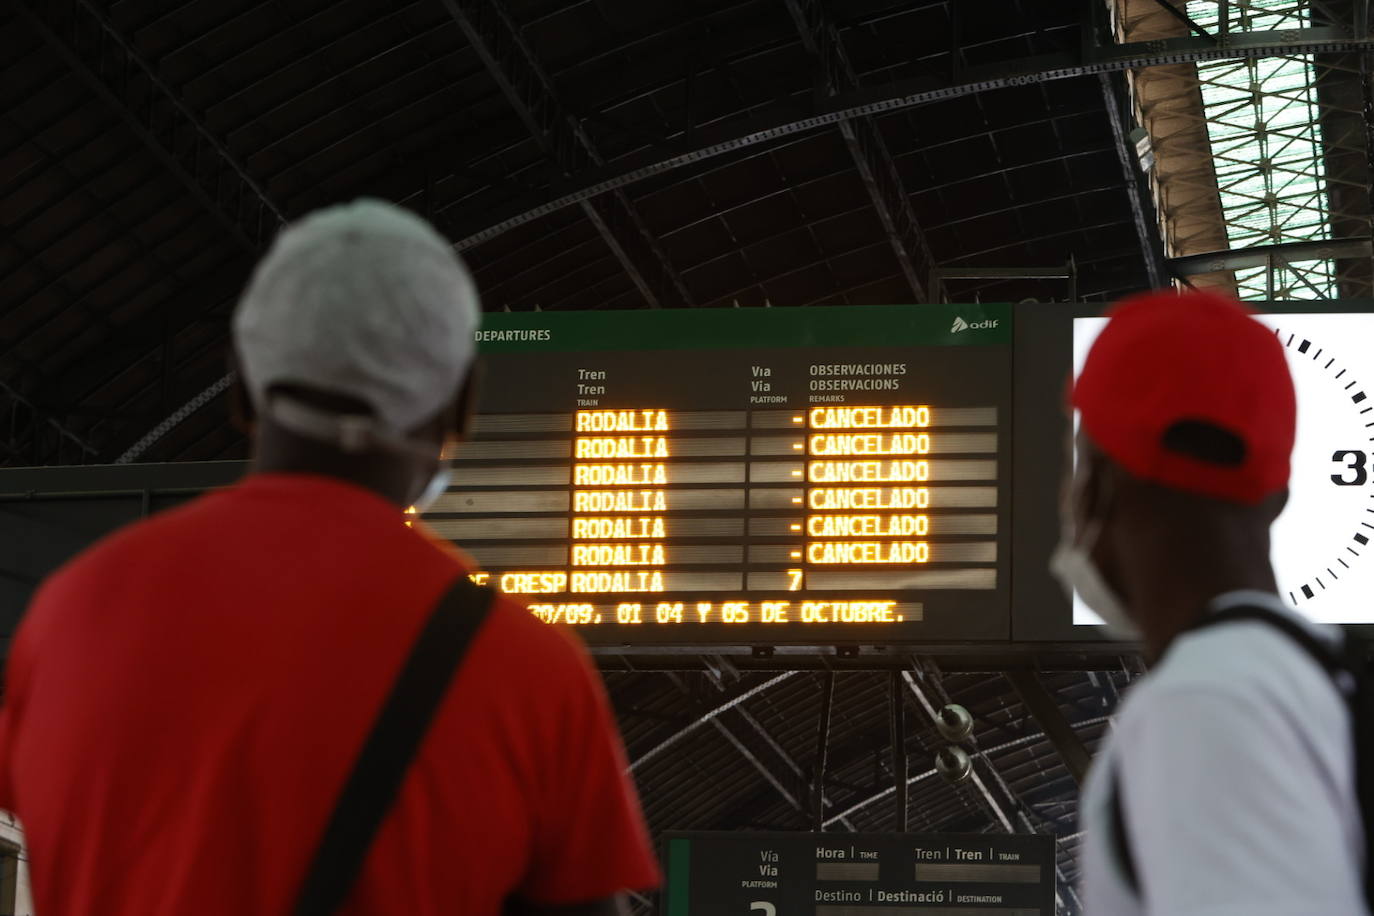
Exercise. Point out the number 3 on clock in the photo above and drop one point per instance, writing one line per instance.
(1356, 463)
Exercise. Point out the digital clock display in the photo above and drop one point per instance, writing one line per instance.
(797, 476)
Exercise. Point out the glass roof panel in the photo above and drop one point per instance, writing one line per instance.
(1262, 119)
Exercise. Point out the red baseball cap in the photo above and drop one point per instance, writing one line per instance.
(1168, 362)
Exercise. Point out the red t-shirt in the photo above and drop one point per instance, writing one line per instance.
(184, 701)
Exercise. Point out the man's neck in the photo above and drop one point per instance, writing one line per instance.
(279, 451)
(1173, 602)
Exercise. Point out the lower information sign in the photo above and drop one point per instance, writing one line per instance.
(858, 874)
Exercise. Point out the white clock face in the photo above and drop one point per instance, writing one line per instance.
(1323, 543)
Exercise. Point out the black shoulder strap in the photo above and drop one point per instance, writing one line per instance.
(382, 763)
(1119, 836)
(1346, 661)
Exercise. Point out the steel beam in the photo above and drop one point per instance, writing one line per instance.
(1185, 19)
(941, 274)
(822, 753)
(88, 42)
(899, 776)
(705, 718)
(1046, 711)
(721, 666)
(114, 345)
(1264, 255)
(512, 64)
(38, 415)
(795, 116)
(790, 795)
(1137, 187)
(165, 125)
(882, 181)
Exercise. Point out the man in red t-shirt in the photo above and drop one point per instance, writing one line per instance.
(184, 702)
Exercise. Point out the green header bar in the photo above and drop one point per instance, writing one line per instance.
(980, 324)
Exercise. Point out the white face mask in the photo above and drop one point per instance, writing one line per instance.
(437, 486)
(1072, 564)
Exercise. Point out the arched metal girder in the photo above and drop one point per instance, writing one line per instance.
(801, 114)
(512, 64)
(156, 114)
(835, 74)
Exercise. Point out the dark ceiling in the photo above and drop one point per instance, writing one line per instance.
(149, 150)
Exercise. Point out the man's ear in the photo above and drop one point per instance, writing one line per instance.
(1094, 480)
(242, 414)
(1274, 505)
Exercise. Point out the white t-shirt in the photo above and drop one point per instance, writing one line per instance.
(1237, 779)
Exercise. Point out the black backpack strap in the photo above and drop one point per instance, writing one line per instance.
(1119, 836)
(385, 757)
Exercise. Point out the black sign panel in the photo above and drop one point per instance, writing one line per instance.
(858, 874)
(799, 477)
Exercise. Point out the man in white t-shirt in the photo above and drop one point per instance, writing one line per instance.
(1228, 785)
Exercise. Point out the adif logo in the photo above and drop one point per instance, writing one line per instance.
(961, 325)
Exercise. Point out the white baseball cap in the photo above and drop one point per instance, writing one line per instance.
(363, 299)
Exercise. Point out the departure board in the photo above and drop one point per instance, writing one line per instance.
(853, 874)
(760, 476)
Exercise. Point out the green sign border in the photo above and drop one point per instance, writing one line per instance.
(717, 329)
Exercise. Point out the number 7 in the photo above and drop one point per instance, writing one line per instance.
(794, 580)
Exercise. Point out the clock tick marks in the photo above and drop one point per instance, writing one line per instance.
(1358, 396)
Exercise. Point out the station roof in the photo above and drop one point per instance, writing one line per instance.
(620, 154)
